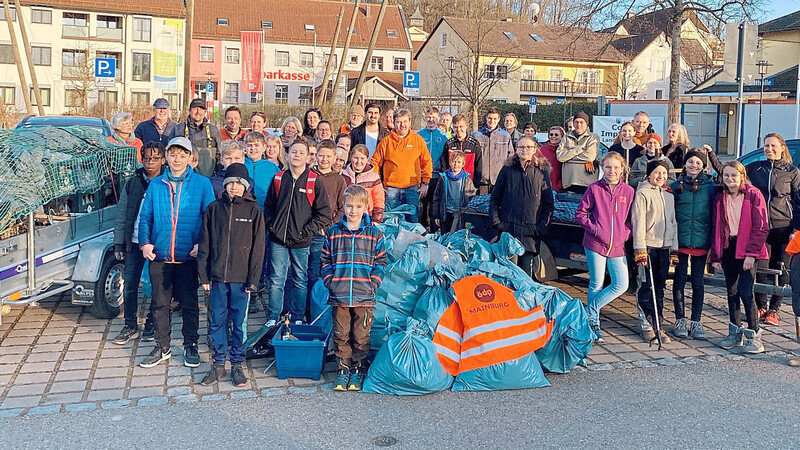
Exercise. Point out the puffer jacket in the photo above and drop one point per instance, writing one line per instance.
(473, 163)
(496, 147)
(171, 217)
(353, 263)
(693, 210)
(575, 151)
(261, 172)
(205, 139)
(435, 140)
(522, 202)
(291, 220)
(779, 183)
(334, 188)
(639, 170)
(753, 226)
(371, 181)
(653, 218)
(128, 210)
(603, 214)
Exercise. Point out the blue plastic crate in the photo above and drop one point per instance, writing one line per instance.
(304, 358)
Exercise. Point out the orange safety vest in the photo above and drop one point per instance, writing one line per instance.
(794, 245)
(486, 326)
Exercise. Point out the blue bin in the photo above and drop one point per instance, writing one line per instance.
(304, 358)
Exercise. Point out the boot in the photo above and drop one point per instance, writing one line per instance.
(752, 341)
(343, 377)
(734, 338)
(216, 373)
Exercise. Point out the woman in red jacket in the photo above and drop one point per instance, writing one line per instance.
(739, 236)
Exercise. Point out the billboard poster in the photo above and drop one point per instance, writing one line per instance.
(166, 55)
(251, 60)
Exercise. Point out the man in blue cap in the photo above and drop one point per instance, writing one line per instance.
(204, 135)
(159, 127)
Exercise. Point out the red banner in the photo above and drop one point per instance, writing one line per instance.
(251, 60)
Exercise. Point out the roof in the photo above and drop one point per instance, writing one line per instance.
(555, 42)
(417, 15)
(788, 22)
(693, 52)
(785, 81)
(654, 21)
(156, 8)
(288, 22)
(631, 46)
(393, 81)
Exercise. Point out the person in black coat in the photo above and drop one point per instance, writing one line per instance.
(522, 203)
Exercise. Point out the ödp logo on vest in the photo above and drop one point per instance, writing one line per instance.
(484, 293)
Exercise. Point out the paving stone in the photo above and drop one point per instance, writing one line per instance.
(39, 410)
(145, 392)
(12, 358)
(304, 382)
(668, 362)
(644, 363)
(152, 380)
(70, 375)
(68, 386)
(108, 383)
(713, 358)
(595, 367)
(116, 404)
(243, 394)
(271, 382)
(179, 381)
(605, 358)
(622, 365)
(114, 362)
(179, 390)
(84, 345)
(269, 392)
(8, 369)
(152, 401)
(179, 371)
(26, 389)
(107, 394)
(63, 397)
(80, 407)
(21, 402)
(302, 390)
(186, 398)
(734, 357)
(111, 372)
(37, 367)
(80, 354)
(33, 378)
(214, 397)
(13, 412)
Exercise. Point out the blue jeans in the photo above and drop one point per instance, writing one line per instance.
(229, 301)
(281, 258)
(314, 263)
(408, 196)
(265, 270)
(597, 297)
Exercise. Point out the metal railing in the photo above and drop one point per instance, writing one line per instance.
(557, 87)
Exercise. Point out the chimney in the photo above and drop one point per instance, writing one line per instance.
(507, 19)
(367, 11)
(630, 15)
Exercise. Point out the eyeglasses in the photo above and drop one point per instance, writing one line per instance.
(152, 159)
(554, 134)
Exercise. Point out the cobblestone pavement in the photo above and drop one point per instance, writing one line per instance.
(56, 357)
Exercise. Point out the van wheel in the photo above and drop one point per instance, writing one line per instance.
(108, 289)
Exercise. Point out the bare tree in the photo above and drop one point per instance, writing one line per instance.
(630, 82)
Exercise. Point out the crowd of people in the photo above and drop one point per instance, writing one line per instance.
(242, 211)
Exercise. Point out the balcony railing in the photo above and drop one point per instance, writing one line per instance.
(74, 31)
(111, 34)
(557, 87)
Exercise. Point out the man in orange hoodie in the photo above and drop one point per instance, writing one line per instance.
(405, 165)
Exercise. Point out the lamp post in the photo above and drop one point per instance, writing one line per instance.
(762, 70)
(451, 66)
(313, 28)
(565, 84)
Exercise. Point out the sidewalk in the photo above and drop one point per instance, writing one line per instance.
(57, 358)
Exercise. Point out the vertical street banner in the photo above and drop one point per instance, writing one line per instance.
(166, 55)
(251, 60)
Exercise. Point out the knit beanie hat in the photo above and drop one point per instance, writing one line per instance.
(237, 173)
(656, 137)
(582, 115)
(653, 165)
(698, 153)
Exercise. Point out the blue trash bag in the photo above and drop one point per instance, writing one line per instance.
(521, 373)
(468, 245)
(572, 337)
(320, 310)
(506, 247)
(437, 296)
(405, 279)
(504, 272)
(147, 288)
(407, 364)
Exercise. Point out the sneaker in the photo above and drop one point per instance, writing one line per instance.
(356, 379)
(598, 336)
(794, 362)
(761, 313)
(342, 380)
(271, 323)
(254, 306)
(681, 329)
(156, 357)
(215, 374)
(648, 335)
(298, 322)
(149, 333)
(126, 334)
(734, 338)
(238, 378)
(664, 337)
(752, 341)
(771, 318)
(191, 357)
(697, 331)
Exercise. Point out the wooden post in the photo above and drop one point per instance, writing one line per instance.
(330, 57)
(344, 52)
(368, 58)
(187, 56)
(17, 58)
(27, 46)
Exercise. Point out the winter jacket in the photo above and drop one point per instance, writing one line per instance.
(205, 139)
(496, 147)
(231, 248)
(575, 151)
(653, 218)
(287, 142)
(353, 263)
(473, 156)
(753, 226)
(371, 181)
(403, 161)
(334, 187)
(632, 154)
(218, 180)
(261, 173)
(128, 210)
(603, 214)
(359, 134)
(779, 183)
(549, 152)
(226, 135)
(522, 203)
(134, 142)
(639, 170)
(171, 217)
(677, 155)
(435, 140)
(451, 186)
(147, 131)
(291, 220)
(693, 210)
(515, 136)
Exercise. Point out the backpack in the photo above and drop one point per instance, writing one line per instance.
(310, 191)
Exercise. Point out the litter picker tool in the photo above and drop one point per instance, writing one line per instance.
(656, 324)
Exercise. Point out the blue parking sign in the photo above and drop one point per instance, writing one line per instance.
(411, 84)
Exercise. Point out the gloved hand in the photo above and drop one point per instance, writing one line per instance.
(589, 167)
(641, 258)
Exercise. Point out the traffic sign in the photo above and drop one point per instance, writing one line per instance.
(532, 105)
(411, 84)
(210, 87)
(105, 72)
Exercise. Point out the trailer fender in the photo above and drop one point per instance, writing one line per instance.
(545, 265)
(90, 258)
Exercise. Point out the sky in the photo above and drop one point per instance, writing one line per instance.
(777, 8)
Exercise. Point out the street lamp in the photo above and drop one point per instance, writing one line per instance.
(565, 84)
(762, 70)
(451, 66)
(313, 28)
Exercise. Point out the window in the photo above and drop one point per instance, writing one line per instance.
(335, 63)
(499, 72)
(117, 57)
(590, 76)
(353, 59)
(399, 65)
(528, 74)
(73, 98)
(305, 95)
(376, 63)
(281, 58)
(556, 75)
(140, 98)
(309, 27)
(221, 21)
(306, 59)
(7, 95)
(172, 98)
(281, 94)
(75, 20)
(509, 35)
(141, 67)
(111, 22)
(41, 55)
(536, 37)
(254, 98)
(661, 69)
(266, 24)
(108, 97)
(73, 58)
(391, 33)
(232, 55)
(443, 41)
(206, 53)
(6, 54)
(649, 66)
(13, 13)
(231, 93)
(659, 94)
(44, 92)
(141, 29)
(41, 16)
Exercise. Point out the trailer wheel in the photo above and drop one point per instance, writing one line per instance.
(108, 289)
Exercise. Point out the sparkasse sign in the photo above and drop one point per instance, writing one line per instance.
(287, 76)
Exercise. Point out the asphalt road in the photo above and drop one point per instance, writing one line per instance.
(714, 405)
